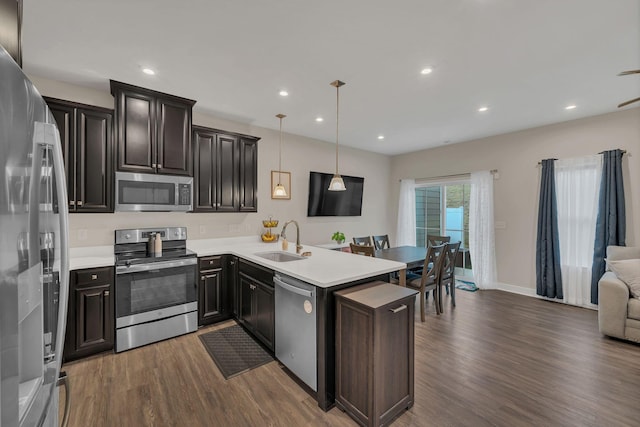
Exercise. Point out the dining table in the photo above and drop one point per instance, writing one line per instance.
(413, 256)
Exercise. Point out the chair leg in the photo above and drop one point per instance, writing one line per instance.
(422, 304)
(453, 292)
(440, 305)
(446, 287)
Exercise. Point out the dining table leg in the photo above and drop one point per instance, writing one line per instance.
(402, 277)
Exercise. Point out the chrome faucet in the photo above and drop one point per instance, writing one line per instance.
(284, 235)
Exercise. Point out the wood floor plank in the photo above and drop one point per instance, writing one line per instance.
(497, 359)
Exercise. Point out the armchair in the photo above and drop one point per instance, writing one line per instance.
(618, 311)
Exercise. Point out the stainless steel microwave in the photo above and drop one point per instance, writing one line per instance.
(147, 192)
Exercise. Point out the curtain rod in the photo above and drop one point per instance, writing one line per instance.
(602, 152)
(458, 175)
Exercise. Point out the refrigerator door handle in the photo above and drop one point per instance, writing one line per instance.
(63, 379)
(46, 134)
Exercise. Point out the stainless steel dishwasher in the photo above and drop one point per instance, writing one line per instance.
(295, 303)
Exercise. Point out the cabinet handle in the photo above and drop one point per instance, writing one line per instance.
(106, 293)
(72, 202)
(399, 309)
(210, 262)
(202, 277)
(242, 205)
(232, 263)
(153, 165)
(80, 203)
(94, 276)
(159, 166)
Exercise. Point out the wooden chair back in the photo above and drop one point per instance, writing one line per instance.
(433, 240)
(366, 250)
(363, 240)
(447, 275)
(381, 242)
(430, 278)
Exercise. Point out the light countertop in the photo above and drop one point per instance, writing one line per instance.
(91, 257)
(324, 268)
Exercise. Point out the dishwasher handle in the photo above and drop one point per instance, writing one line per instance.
(291, 288)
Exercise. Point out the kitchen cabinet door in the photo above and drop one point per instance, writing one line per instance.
(227, 178)
(204, 170)
(64, 114)
(174, 138)
(248, 175)
(136, 131)
(92, 317)
(264, 313)
(246, 314)
(94, 161)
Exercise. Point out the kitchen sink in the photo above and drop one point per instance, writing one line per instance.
(279, 256)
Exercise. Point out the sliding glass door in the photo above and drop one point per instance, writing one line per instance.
(443, 209)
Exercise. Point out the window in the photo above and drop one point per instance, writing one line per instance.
(443, 209)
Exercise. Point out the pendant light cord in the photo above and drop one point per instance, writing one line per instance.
(280, 154)
(337, 122)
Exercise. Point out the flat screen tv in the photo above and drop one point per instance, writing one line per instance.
(323, 202)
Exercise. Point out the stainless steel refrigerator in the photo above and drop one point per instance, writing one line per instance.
(34, 270)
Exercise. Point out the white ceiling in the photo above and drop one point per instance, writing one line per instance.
(526, 60)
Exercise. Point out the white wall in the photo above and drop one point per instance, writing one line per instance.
(300, 155)
(516, 155)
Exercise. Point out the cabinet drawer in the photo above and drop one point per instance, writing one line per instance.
(210, 262)
(93, 276)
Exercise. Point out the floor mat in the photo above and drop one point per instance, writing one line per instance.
(234, 351)
(466, 286)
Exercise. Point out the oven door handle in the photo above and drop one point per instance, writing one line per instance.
(124, 269)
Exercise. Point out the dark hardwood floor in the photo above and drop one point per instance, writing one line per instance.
(497, 359)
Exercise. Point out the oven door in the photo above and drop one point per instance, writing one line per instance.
(147, 292)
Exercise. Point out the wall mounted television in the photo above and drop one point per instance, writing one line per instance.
(323, 202)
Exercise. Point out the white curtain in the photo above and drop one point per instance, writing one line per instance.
(482, 247)
(406, 230)
(577, 189)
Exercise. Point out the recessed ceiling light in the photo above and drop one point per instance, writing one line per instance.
(380, 136)
(148, 71)
(319, 119)
(284, 93)
(570, 107)
(427, 70)
(483, 109)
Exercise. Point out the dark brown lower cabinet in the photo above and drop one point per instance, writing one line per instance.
(90, 315)
(214, 296)
(375, 352)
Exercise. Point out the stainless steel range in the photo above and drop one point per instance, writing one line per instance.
(156, 294)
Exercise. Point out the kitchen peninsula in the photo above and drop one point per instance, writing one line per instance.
(328, 271)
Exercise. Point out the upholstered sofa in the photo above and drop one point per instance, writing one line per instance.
(618, 311)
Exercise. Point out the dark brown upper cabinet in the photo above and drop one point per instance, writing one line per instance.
(86, 135)
(153, 130)
(220, 171)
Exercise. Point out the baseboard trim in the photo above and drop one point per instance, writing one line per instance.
(532, 293)
(516, 289)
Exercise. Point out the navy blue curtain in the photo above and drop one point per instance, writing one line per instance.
(611, 224)
(548, 276)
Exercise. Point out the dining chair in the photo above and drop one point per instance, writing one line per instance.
(430, 278)
(381, 242)
(363, 240)
(448, 272)
(432, 239)
(366, 250)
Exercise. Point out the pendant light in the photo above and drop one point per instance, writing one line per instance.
(279, 190)
(337, 184)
